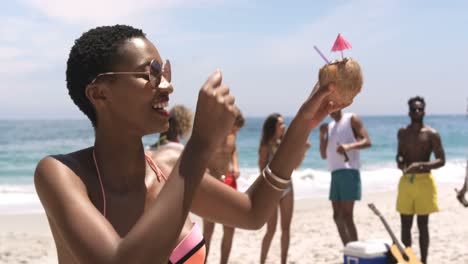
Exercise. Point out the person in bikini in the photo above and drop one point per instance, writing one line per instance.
(417, 191)
(112, 202)
(168, 147)
(273, 131)
(224, 166)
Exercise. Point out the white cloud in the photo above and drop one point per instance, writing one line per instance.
(8, 53)
(363, 23)
(18, 67)
(284, 66)
(110, 11)
(256, 63)
(29, 45)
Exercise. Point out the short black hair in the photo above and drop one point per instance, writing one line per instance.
(416, 99)
(95, 52)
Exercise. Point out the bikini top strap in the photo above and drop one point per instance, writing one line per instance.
(102, 185)
(150, 161)
(159, 173)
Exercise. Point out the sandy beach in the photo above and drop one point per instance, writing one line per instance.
(26, 238)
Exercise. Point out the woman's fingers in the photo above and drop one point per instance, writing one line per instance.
(167, 71)
(222, 90)
(213, 82)
(325, 90)
(229, 100)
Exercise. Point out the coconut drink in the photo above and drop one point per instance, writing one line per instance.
(346, 74)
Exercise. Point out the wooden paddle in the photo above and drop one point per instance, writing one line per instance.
(402, 255)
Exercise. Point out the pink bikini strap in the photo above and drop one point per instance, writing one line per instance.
(102, 186)
(159, 173)
(150, 161)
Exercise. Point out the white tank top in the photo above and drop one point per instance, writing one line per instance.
(341, 132)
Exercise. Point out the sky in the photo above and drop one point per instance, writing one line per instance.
(264, 49)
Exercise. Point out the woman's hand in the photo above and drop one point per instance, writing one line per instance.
(215, 112)
(317, 107)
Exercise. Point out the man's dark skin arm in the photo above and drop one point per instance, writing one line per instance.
(360, 132)
(400, 155)
(439, 161)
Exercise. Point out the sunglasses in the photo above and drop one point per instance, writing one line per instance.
(155, 73)
(416, 110)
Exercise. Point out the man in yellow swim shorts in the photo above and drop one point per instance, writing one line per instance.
(417, 192)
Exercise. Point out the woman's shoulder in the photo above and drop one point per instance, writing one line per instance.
(75, 160)
(274, 145)
(268, 148)
(61, 168)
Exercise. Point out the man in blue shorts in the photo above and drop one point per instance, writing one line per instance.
(340, 142)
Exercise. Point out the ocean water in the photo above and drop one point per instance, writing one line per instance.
(24, 142)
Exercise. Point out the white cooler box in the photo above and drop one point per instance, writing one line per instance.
(366, 252)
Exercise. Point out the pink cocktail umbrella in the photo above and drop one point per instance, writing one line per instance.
(341, 44)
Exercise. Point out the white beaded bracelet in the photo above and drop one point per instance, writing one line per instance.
(276, 178)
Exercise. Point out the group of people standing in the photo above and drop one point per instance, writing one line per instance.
(116, 202)
(340, 143)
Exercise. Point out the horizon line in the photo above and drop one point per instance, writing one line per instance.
(249, 116)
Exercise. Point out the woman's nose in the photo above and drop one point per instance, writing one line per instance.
(165, 86)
